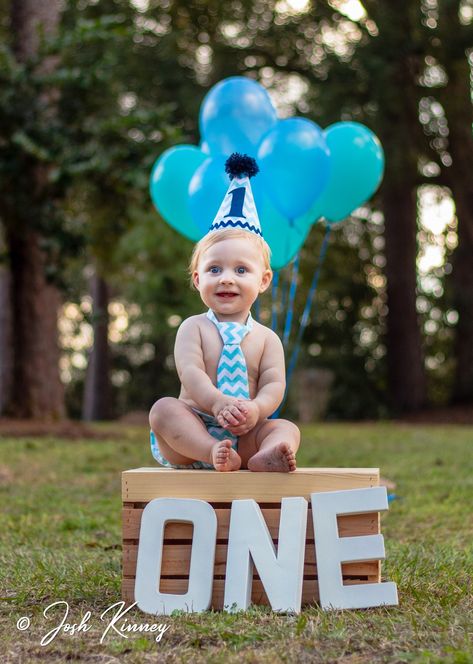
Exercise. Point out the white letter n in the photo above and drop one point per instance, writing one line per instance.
(249, 541)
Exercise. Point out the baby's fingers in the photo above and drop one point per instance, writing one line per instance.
(222, 421)
(237, 414)
(242, 407)
(229, 418)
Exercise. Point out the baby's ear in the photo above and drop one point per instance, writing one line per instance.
(195, 279)
(265, 280)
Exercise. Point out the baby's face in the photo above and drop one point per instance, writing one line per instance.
(230, 276)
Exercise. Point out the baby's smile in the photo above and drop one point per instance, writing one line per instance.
(227, 295)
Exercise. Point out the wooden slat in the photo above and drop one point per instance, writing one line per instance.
(310, 591)
(348, 526)
(176, 561)
(144, 484)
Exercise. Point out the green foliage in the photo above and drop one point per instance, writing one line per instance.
(347, 324)
(73, 120)
(154, 261)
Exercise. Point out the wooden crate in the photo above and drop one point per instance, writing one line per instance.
(142, 485)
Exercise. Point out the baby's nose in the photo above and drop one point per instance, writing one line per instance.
(226, 276)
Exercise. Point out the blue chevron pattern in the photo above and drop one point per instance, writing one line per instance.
(227, 223)
(232, 374)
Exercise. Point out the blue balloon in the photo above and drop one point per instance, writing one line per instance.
(357, 166)
(295, 163)
(205, 148)
(234, 116)
(169, 183)
(206, 191)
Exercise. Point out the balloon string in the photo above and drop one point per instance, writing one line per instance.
(281, 305)
(305, 316)
(290, 305)
(284, 291)
(274, 295)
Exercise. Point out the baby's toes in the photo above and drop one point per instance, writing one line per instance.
(290, 457)
(291, 462)
(223, 450)
(224, 457)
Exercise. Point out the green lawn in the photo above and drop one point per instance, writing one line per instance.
(60, 540)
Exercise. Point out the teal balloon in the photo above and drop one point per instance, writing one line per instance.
(285, 238)
(169, 184)
(357, 167)
(295, 164)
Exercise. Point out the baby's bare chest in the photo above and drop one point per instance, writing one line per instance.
(252, 347)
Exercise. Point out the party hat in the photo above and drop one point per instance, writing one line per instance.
(238, 209)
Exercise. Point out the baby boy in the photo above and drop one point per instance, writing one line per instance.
(231, 367)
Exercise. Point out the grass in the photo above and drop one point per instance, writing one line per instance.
(60, 540)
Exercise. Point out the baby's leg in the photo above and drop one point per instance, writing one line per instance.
(183, 438)
(277, 442)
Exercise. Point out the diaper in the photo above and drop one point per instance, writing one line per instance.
(214, 429)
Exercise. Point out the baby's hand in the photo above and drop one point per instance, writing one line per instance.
(230, 411)
(252, 417)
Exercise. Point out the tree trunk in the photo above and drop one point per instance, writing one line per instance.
(407, 384)
(462, 282)
(30, 20)
(397, 125)
(6, 337)
(97, 392)
(36, 389)
(453, 47)
(459, 111)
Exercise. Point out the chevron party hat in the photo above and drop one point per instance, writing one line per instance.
(238, 209)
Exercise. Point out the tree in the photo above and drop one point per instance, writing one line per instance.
(451, 47)
(393, 62)
(36, 389)
(97, 399)
(118, 123)
(67, 126)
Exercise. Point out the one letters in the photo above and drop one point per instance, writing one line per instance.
(250, 544)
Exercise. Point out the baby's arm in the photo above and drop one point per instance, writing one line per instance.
(272, 377)
(191, 370)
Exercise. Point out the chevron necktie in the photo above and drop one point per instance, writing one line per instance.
(232, 374)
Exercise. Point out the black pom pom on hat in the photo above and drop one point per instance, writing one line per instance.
(241, 164)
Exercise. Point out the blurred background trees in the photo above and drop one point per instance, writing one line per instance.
(93, 284)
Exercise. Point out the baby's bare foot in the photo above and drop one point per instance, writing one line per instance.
(224, 457)
(278, 459)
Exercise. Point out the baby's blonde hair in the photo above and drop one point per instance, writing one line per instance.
(230, 233)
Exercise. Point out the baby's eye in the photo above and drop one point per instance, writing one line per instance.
(214, 269)
(241, 269)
